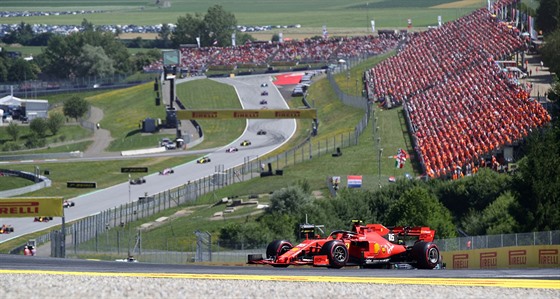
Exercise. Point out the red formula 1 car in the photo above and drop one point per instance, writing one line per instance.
(371, 245)
(6, 229)
(42, 219)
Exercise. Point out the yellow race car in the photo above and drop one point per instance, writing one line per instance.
(203, 160)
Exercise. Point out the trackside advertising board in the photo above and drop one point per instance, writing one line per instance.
(31, 207)
(247, 113)
(539, 256)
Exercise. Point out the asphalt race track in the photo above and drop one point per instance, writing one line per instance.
(249, 91)
(101, 279)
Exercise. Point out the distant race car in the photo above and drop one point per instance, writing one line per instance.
(203, 160)
(68, 204)
(6, 229)
(264, 84)
(264, 93)
(138, 181)
(167, 171)
(371, 245)
(245, 142)
(261, 132)
(263, 102)
(231, 149)
(42, 219)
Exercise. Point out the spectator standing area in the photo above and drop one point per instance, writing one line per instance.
(460, 105)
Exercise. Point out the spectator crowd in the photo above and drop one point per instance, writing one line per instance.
(461, 106)
(329, 50)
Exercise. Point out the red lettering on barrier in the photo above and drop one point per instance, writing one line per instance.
(460, 261)
(288, 114)
(517, 257)
(242, 114)
(548, 257)
(19, 208)
(488, 260)
(204, 114)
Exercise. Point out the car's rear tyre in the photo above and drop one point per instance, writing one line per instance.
(336, 252)
(426, 254)
(277, 248)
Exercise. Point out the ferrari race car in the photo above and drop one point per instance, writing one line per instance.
(138, 181)
(42, 219)
(167, 171)
(245, 142)
(263, 102)
(264, 93)
(231, 149)
(203, 160)
(261, 132)
(68, 204)
(6, 229)
(371, 245)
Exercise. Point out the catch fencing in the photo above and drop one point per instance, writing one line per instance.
(98, 227)
(498, 241)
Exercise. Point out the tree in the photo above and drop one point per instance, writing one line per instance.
(418, 207)
(219, 25)
(38, 126)
(288, 200)
(187, 29)
(22, 35)
(547, 15)
(536, 182)
(497, 218)
(64, 55)
(13, 131)
(22, 70)
(75, 107)
(55, 122)
(163, 38)
(93, 62)
(215, 27)
(550, 53)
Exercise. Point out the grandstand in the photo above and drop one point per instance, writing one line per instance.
(460, 105)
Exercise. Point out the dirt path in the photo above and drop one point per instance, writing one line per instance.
(101, 137)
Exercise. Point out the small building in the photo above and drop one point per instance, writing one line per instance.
(30, 109)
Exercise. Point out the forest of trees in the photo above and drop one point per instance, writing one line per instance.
(484, 204)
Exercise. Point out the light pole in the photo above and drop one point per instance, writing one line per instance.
(127, 213)
(379, 171)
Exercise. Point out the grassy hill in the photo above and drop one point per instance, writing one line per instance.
(311, 14)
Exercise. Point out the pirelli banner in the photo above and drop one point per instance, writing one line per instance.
(31, 207)
(247, 113)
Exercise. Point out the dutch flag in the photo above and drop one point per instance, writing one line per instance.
(354, 181)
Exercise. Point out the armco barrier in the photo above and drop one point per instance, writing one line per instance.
(540, 256)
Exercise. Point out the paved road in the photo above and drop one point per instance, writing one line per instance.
(248, 89)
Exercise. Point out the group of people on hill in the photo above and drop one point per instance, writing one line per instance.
(459, 103)
(329, 50)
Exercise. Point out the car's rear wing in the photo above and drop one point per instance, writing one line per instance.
(424, 233)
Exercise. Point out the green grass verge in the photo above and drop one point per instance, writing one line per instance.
(208, 94)
(67, 134)
(105, 173)
(10, 182)
(310, 13)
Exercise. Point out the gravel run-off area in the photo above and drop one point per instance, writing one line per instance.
(71, 286)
